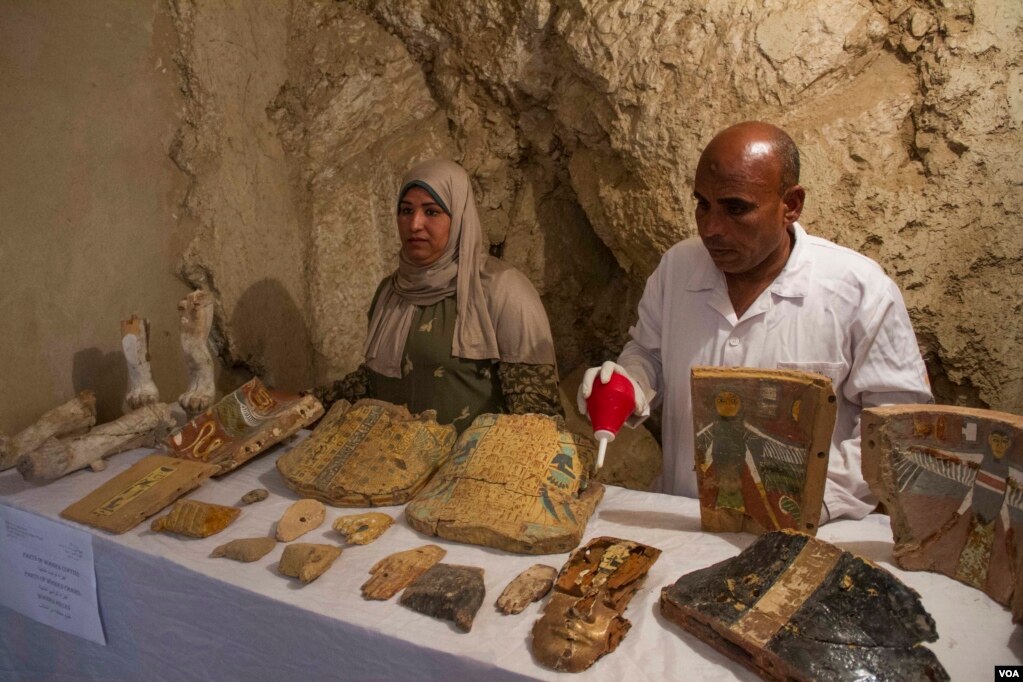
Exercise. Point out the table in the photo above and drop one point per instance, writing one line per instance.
(170, 612)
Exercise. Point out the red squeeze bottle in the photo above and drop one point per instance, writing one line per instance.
(609, 405)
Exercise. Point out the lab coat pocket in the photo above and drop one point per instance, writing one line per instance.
(835, 371)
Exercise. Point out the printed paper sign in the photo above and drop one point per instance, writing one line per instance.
(47, 573)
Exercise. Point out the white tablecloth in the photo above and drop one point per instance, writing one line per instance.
(171, 612)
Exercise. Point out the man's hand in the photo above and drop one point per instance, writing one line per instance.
(641, 408)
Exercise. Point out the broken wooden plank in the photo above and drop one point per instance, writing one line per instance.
(527, 587)
(395, 572)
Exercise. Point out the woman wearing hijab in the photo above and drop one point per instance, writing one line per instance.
(452, 329)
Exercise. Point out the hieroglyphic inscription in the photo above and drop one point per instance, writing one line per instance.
(132, 491)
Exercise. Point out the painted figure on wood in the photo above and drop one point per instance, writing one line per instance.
(952, 480)
(760, 435)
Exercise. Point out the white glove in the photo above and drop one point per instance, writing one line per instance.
(641, 407)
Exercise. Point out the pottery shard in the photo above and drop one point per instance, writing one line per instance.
(529, 586)
(447, 591)
(792, 607)
(243, 425)
(245, 549)
(195, 519)
(253, 496)
(368, 454)
(137, 493)
(583, 619)
(307, 561)
(300, 518)
(394, 573)
(514, 482)
(951, 479)
(362, 529)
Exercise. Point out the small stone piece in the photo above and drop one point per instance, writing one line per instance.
(299, 519)
(196, 519)
(257, 495)
(245, 549)
(529, 586)
(307, 561)
(394, 573)
(362, 529)
(447, 591)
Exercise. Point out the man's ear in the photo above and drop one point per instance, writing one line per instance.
(793, 201)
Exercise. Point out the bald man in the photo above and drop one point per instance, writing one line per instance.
(755, 290)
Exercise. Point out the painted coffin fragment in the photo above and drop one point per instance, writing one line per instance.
(792, 607)
(514, 482)
(952, 481)
(195, 519)
(583, 619)
(762, 443)
(242, 425)
(395, 572)
(368, 454)
(138, 492)
(447, 591)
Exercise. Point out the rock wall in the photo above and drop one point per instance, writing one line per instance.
(581, 122)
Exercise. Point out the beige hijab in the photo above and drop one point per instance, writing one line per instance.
(500, 316)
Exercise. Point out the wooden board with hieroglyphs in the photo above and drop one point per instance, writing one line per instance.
(952, 481)
(762, 438)
(242, 425)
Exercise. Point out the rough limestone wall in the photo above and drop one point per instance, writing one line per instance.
(249, 246)
(908, 115)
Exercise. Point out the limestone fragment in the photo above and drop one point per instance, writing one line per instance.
(135, 345)
(300, 518)
(243, 425)
(362, 529)
(307, 561)
(196, 320)
(368, 454)
(137, 493)
(256, 495)
(583, 619)
(792, 607)
(952, 481)
(762, 443)
(72, 418)
(514, 482)
(143, 427)
(529, 586)
(394, 573)
(447, 591)
(195, 519)
(245, 549)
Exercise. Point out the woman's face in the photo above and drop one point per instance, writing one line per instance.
(423, 227)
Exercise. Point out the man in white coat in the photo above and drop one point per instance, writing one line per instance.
(755, 290)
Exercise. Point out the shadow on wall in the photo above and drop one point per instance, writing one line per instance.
(106, 374)
(269, 338)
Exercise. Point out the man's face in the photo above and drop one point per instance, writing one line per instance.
(741, 213)
(423, 227)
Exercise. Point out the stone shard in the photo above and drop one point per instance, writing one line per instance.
(951, 479)
(792, 607)
(307, 561)
(256, 495)
(135, 345)
(362, 529)
(196, 320)
(527, 587)
(300, 518)
(195, 519)
(137, 493)
(73, 417)
(514, 482)
(583, 619)
(143, 427)
(762, 443)
(245, 549)
(243, 425)
(394, 573)
(368, 454)
(447, 591)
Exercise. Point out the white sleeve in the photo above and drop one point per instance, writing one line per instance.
(641, 356)
(886, 370)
